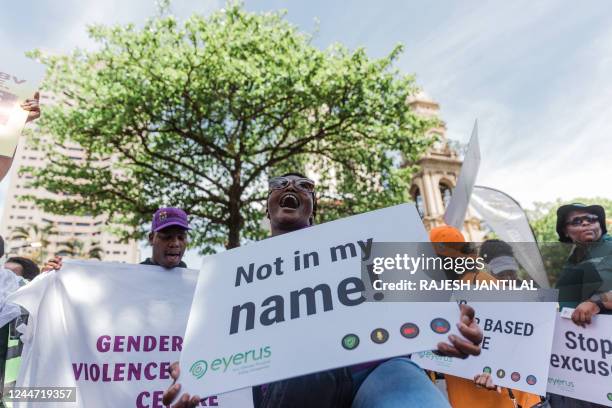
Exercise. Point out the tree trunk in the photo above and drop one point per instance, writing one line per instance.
(235, 220)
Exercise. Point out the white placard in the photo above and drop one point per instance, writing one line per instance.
(111, 330)
(252, 323)
(515, 349)
(13, 91)
(581, 360)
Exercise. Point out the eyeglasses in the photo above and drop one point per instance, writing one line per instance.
(576, 221)
(279, 183)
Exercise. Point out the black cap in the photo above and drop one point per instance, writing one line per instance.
(562, 212)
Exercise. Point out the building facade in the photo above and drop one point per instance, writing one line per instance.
(439, 168)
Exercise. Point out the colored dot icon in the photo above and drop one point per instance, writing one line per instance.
(440, 325)
(487, 370)
(531, 379)
(515, 376)
(610, 396)
(379, 336)
(350, 341)
(409, 330)
(500, 373)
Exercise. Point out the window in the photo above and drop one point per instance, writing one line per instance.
(446, 193)
(418, 199)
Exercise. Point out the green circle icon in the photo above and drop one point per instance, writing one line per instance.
(198, 369)
(487, 370)
(350, 341)
(610, 396)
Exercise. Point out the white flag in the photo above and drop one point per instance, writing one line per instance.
(458, 205)
(508, 220)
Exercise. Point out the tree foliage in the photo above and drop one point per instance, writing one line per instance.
(198, 114)
(32, 233)
(78, 250)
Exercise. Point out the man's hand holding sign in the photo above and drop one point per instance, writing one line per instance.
(303, 292)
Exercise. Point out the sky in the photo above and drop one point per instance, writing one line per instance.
(536, 75)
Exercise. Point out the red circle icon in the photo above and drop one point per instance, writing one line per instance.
(409, 330)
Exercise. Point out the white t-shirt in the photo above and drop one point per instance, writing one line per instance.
(9, 283)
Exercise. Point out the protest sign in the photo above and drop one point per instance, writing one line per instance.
(293, 305)
(460, 199)
(13, 91)
(581, 360)
(515, 349)
(111, 330)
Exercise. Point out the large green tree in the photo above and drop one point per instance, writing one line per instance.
(198, 114)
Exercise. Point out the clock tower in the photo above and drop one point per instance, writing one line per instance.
(431, 188)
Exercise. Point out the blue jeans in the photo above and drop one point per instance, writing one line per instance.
(396, 383)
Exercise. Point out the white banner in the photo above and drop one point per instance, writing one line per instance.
(13, 91)
(458, 205)
(581, 360)
(293, 305)
(508, 220)
(111, 330)
(515, 349)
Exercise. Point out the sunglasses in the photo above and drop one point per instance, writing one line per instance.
(280, 183)
(576, 221)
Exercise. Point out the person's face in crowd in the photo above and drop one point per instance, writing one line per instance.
(169, 246)
(582, 226)
(290, 206)
(15, 267)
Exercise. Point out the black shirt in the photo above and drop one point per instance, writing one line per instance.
(150, 261)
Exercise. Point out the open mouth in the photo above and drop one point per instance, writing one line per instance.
(173, 256)
(289, 200)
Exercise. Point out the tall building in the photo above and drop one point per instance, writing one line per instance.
(432, 186)
(88, 231)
